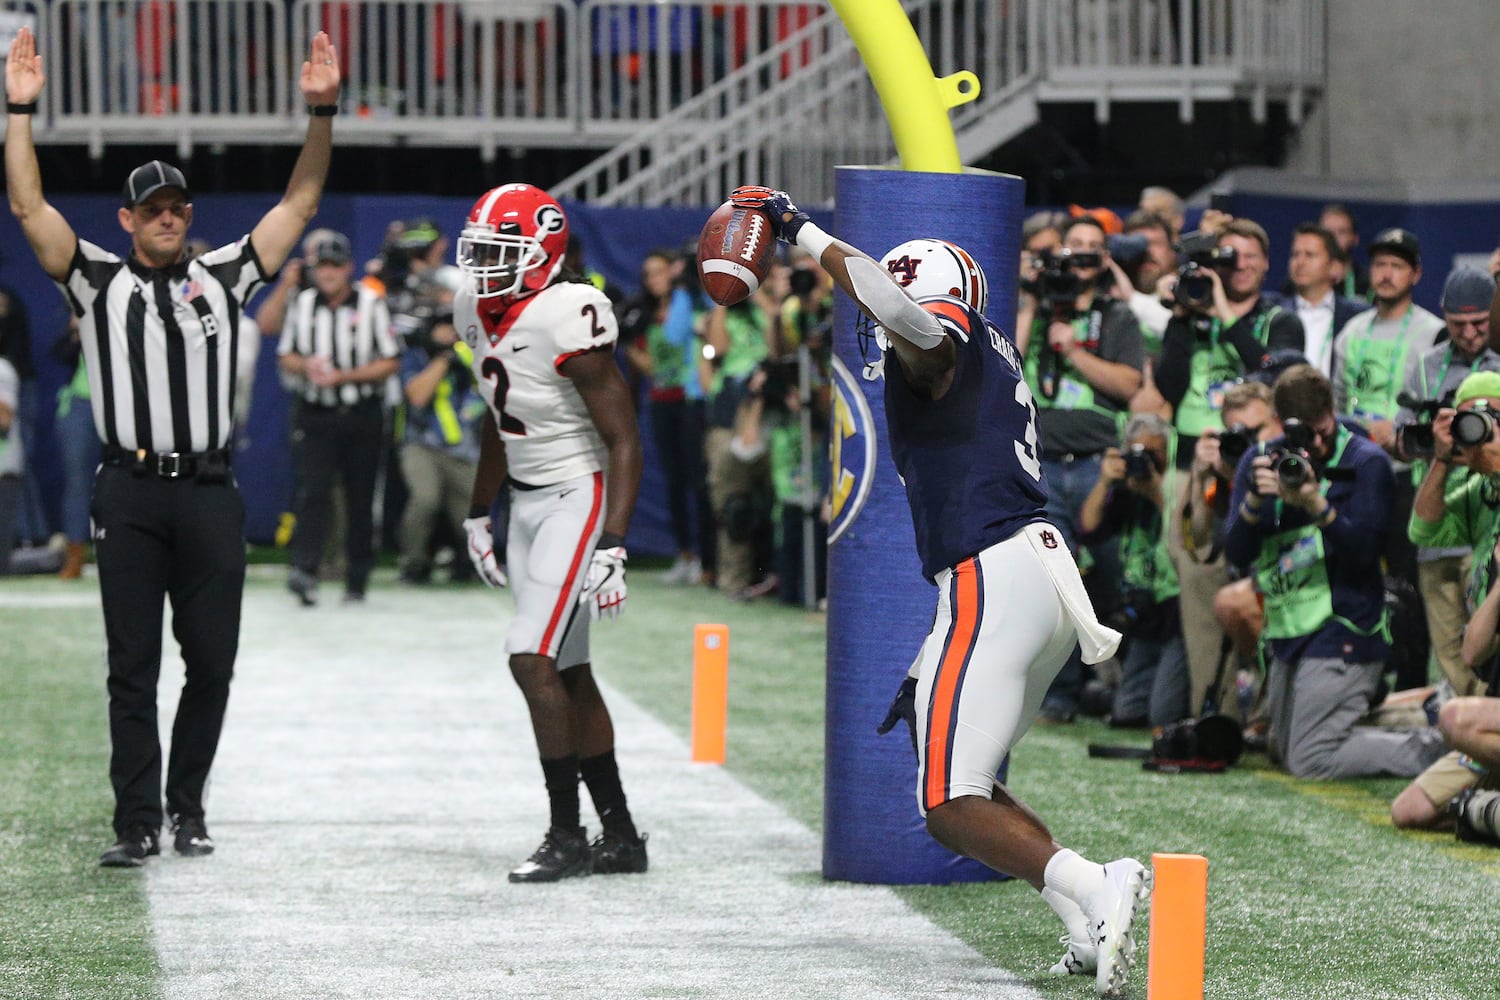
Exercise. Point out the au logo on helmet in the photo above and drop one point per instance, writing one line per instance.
(851, 450)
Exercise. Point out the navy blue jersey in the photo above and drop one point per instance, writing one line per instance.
(970, 460)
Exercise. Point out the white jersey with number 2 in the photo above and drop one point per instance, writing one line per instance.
(548, 433)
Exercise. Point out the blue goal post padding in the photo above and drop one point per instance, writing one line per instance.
(879, 606)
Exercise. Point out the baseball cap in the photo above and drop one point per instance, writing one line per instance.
(1467, 288)
(147, 178)
(1478, 385)
(1275, 363)
(419, 234)
(1401, 242)
(333, 249)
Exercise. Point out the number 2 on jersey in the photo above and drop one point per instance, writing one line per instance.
(1027, 453)
(491, 367)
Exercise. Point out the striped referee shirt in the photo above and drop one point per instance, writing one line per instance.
(351, 336)
(160, 345)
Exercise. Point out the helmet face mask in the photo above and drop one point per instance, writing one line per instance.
(513, 242)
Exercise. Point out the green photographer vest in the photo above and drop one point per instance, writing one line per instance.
(1143, 549)
(1292, 574)
(1069, 391)
(1373, 372)
(1214, 370)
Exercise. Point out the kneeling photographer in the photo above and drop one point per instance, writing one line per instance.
(1130, 501)
(1308, 514)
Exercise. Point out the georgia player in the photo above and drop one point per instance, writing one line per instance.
(561, 439)
(1011, 605)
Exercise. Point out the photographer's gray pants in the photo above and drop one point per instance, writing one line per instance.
(1315, 705)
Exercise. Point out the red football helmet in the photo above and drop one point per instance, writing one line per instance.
(513, 241)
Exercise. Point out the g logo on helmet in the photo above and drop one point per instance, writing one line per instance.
(851, 450)
(550, 219)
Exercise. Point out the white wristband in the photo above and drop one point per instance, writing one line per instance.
(813, 240)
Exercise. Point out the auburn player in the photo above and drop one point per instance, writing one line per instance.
(1011, 605)
(561, 439)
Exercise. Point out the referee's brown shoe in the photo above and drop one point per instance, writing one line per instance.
(190, 837)
(131, 850)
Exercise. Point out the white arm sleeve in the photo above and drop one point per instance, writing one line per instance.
(891, 307)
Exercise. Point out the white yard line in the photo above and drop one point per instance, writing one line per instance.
(376, 781)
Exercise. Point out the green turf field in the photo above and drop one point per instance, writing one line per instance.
(1312, 894)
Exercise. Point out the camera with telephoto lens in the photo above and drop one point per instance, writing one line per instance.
(1196, 256)
(1234, 441)
(1058, 284)
(1473, 427)
(1292, 461)
(1139, 465)
(1416, 439)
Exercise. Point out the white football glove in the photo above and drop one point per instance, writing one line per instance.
(604, 587)
(482, 551)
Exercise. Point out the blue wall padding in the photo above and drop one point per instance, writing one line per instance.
(879, 606)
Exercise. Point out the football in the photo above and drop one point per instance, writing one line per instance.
(735, 251)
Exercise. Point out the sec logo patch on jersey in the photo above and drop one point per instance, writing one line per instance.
(851, 450)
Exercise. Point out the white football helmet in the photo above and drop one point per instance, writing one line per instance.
(924, 267)
(936, 267)
(513, 241)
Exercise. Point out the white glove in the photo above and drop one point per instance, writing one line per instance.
(604, 587)
(482, 551)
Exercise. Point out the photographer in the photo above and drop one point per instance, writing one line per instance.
(440, 446)
(1222, 328)
(1130, 501)
(1376, 352)
(1308, 515)
(1458, 502)
(1082, 362)
(1439, 573)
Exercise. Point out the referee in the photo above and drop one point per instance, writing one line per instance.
(336, 342)
(158, 338)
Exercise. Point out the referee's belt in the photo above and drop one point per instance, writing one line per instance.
(204, 466)
(1069, 457)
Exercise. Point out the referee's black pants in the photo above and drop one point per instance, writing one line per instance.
(182, 540)
(343, 442)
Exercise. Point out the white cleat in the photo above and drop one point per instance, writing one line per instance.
(1111, 913)
(1080, 959)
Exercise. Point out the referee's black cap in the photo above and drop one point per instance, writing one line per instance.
(148, 178)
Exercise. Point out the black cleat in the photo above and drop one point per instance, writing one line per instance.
(131, 850)
(190, 837)
(617, 856)
(563, 854)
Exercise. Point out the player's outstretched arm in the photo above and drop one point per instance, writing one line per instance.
(275, 236)
(46, 230)
(926, 354)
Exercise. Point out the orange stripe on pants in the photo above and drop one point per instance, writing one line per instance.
(943, 707)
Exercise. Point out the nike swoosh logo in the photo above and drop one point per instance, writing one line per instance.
(519, 347)
(566, 493)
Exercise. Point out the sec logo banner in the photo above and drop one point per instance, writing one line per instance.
(851, 450)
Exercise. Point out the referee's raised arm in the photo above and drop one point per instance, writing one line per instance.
(49, 234)
(277, 233)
